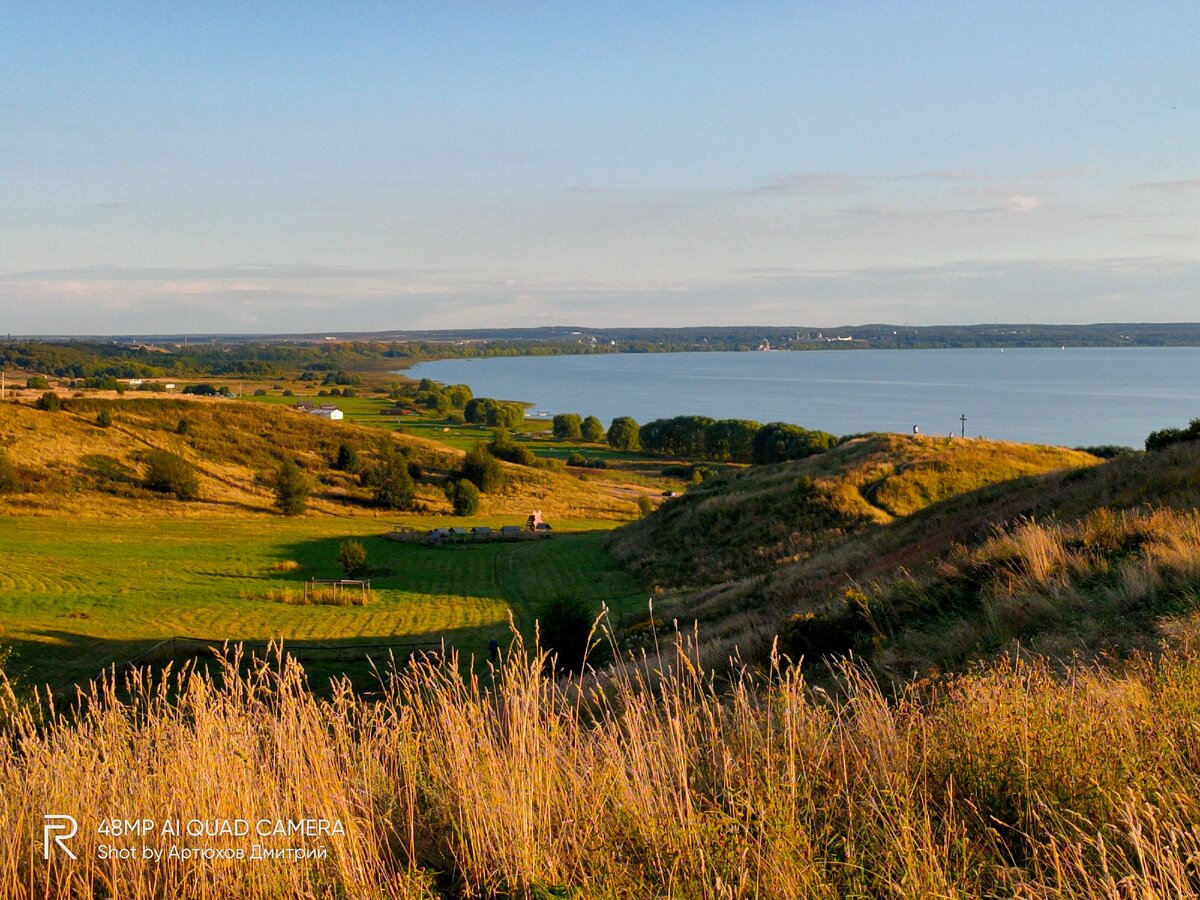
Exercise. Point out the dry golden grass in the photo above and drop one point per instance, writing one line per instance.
(326, 596)
(760, 518)
(68, 464)
(1011, 781)
(743, 614)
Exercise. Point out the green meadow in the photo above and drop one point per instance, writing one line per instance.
(82, 594)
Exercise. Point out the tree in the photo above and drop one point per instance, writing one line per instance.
(506, 415)
(347, 459)
(459, 394)
(291, 489)
(167, 473)
(482, 469)
(592, 430)
(624, 434)
(565, 629)
(1165, 437)
(9, 480)
(391, 483)
(352, 557)
(204, 389)
(779, 441)
(503, 447)
(104, 418)
(731, 439)
(38, 383)
(486, 411)
(463, 496)
(568, 427)
(49, 402)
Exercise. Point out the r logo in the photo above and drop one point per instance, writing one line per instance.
(53, 824)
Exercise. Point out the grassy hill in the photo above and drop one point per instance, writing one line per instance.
(66, 462)
(757, 519)
(97, 568)
(1095, 559)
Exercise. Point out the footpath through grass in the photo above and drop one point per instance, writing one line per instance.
(80, 594)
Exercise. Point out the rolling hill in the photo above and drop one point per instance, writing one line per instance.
(66, 462)
(919, 557)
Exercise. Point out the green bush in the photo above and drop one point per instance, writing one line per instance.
(502, 447)
(347, 459)
(463, 496)
(167, 473)
(391, 482)
(482, 469)
(567, 427)
(564, 629)
(38, 383)
(352, 557)
(624, 434)
(291, 489)
(49, 402)
(104, 418)
(9, 480)
(1157, 440)
(577, 459)
(592, 430)
(645, 505)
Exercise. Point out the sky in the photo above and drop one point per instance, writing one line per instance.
(328, 167)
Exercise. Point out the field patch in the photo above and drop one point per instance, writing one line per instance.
(82, 594)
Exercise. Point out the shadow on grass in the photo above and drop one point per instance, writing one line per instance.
(64, 661)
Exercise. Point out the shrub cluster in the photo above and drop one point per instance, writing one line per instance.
(463, 496)
(482, 469)
(168, 473)
(1165, 437)
(496, 413)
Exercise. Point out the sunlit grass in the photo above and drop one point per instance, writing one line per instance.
(82, 593)
(663, 781)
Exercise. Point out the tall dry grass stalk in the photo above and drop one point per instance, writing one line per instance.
(659, 779)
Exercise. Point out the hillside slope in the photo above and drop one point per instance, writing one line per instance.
(757, 519)
(66, 462)
(1099, 559)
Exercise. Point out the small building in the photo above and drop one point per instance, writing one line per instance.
(510, 533)
(437, 537)
(304, 405)
(459, 535)
(535, 522)
(328, 411)
(482, 532)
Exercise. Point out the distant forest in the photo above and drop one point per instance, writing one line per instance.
(279, 355)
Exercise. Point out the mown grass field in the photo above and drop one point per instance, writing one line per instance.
(80, 594)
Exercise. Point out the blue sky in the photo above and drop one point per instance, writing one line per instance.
(327, 167)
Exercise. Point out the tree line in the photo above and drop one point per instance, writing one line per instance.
(700, 437)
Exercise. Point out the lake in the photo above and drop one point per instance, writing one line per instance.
(1072, 397)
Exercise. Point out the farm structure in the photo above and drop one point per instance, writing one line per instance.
(480, 534)
(324, 411)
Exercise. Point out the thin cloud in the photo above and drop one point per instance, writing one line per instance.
(234, 271)
(1182, 186)
(829, 184)
(1116, 289)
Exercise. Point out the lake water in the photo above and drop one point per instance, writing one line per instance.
(1073, 397)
